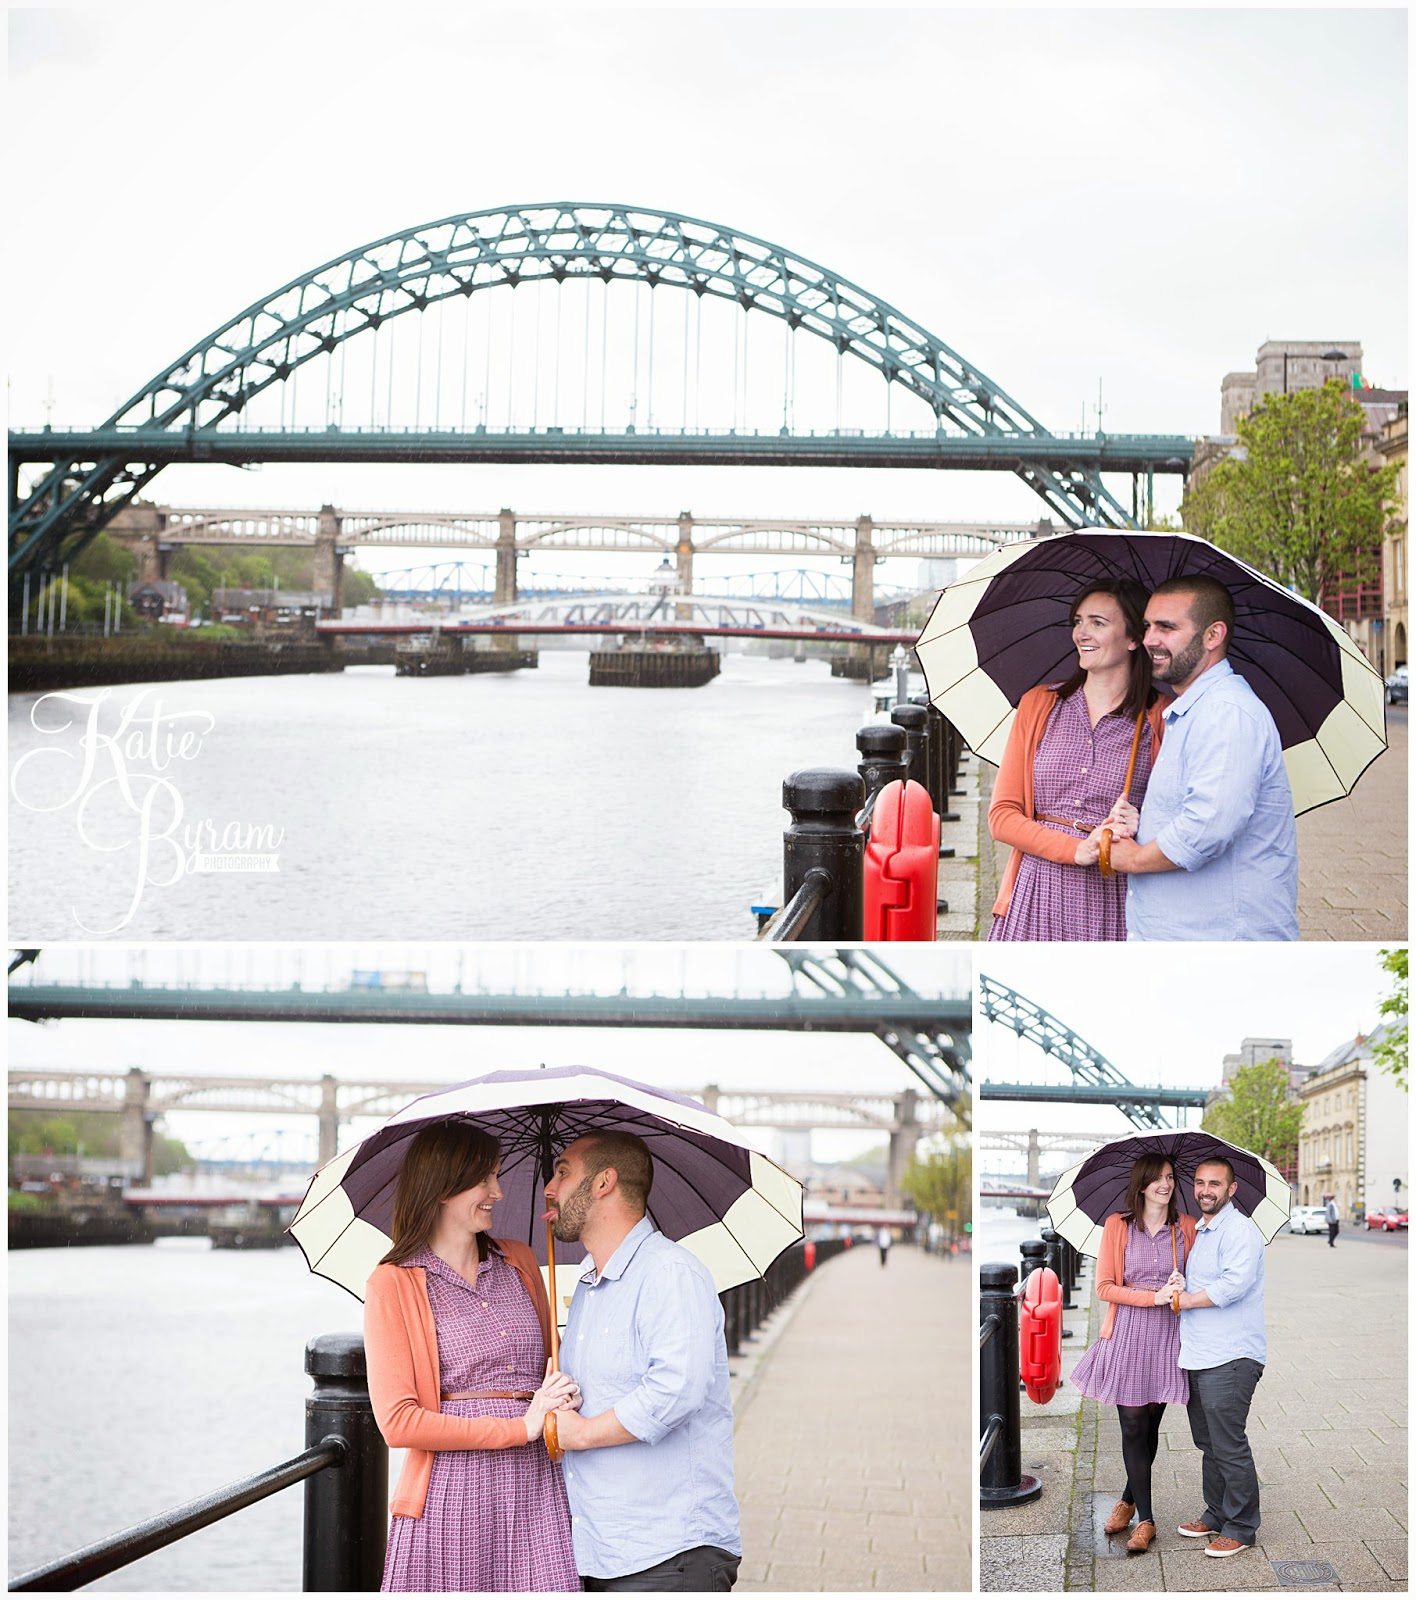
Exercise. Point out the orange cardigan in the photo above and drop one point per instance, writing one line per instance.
(1111, 1268)
(1010, 814)
(401, 1347)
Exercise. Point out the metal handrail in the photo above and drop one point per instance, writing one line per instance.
(992, 1433)
(786, 924)
(120, 1549)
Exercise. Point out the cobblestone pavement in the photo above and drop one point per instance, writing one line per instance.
(852, 1468)
(1328, 1430)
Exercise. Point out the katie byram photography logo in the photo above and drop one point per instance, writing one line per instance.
(115, 766)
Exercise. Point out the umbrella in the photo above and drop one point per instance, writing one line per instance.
(1083, 1198)
(733, 1208)
(1005, 627)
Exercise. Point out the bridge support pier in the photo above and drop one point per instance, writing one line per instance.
(506, 558)
(329, 1118)
(684, 552)
(328, 573)
(135, 1137)
(1034, 1160)
(904, 1137)
(138, 529)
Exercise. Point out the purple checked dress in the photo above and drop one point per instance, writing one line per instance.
(1140, 1363)
(494, 1520)
(1078, 771)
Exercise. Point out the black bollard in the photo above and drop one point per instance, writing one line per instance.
(346, 1507)
(1001, 1479)
(936, 740)
(1056, 1247)
(915, 721)
(823, 840)
(882, 748)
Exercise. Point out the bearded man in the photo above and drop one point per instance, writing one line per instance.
(1214, 852)
(649, 1463)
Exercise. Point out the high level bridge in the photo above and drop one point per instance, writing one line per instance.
(153, 532)
(384, 354)
(140, 1098)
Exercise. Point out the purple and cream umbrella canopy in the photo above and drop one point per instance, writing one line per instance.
(733, 1208)
(1005, 627)
(1095, 1189)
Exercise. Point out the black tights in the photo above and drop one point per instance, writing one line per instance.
(1140, 1439)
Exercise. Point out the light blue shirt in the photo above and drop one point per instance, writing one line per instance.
(646, 1338)
(1227, 1262)
(1219, 806)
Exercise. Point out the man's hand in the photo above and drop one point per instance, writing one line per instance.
(1124, 820)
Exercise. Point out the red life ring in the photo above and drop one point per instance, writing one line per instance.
(1040, 1335)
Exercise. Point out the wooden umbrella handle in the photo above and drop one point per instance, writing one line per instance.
(549, 1431)
(1104, 843)
(1175, 1265)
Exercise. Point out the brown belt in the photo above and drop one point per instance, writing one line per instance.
(491, 1394)
(1067, 822)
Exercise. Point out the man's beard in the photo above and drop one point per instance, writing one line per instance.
(571, 1213)
(1180, 667)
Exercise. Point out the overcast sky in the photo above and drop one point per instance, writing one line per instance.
(677, 1059)
(1169, 1017)
(1130, 199)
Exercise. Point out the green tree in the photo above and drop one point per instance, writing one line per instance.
(359, 587)
(1259, 1113)
(1390, 1049)
(91, 1133)
(1303, 506)
(940, 1182)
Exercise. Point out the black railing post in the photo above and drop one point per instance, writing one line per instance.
(882, 756)
(915, 721)
(346, 1508)
(823, 838)
(1001, 1480)
(940, 777)
(1056, 1258)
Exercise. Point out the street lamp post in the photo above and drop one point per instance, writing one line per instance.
(1327, 355)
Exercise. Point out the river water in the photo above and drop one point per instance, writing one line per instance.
(518, 806)
(144, 1376)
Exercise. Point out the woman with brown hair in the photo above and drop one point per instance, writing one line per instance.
(1065, 764)
(456, 1329)
(1135, 1363)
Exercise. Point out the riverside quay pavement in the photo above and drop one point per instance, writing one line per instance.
(1351, 854)
(1327, 1427)
(853, 1422)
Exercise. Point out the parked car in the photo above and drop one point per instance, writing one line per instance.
(1307, 1219)
(1384, 1219)
(1396, 686)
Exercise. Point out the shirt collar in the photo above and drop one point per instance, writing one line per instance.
(1202, 685)
(1215, 1223)
(624, 1253)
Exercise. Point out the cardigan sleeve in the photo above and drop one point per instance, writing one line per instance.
(1010, 819)
(404, 1421)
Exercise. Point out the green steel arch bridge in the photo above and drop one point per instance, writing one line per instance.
(234, 396)
(1095, 1081)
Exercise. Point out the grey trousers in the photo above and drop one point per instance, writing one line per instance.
(1219, 1412)
(703, 1570)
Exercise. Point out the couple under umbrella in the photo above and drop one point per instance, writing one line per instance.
(1268, 710)
(1159, 1212)
(462, 1335)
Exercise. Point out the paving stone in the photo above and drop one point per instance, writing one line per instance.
(1033, 1563)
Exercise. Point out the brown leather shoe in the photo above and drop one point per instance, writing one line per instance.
(1120, 1518)
(1225, 1547)
(1197, 1530)
(1141, 1540)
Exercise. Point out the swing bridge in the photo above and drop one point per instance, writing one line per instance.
(382, 355)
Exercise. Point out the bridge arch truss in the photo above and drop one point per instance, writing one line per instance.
(357, 293)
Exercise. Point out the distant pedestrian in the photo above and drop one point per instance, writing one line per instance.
(1331, 1211)
(1223, 1349)
(884, 1239)
(1135, 1363)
